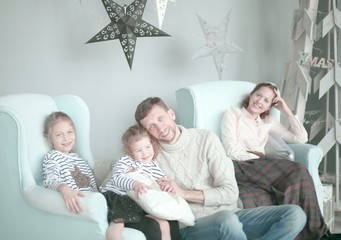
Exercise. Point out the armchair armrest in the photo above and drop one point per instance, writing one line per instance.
(94, 204)
(311, 156)
(308, 154)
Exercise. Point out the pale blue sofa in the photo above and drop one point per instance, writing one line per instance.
(202, 106)
(27, 209)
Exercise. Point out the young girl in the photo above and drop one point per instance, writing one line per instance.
(64, 170)
(141, 151)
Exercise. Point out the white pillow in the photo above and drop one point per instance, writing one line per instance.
(161, 204)
(277, 148)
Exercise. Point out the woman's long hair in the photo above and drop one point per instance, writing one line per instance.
(246, 100)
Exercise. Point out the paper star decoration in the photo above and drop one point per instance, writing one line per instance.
(126, 25)
(217, 45)
(161, 6)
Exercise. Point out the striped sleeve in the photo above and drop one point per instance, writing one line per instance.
(153, 171)
(51, 171)
(59, 168)
(118, 182)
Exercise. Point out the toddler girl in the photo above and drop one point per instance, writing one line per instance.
(141, 151)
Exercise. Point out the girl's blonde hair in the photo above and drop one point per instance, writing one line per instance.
(135, 133)
(52, 119)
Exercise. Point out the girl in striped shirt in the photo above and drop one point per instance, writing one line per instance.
(63, 170)
(140, 152)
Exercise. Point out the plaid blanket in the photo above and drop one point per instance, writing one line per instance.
(264, 182)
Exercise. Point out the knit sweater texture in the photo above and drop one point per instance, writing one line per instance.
(197, 161)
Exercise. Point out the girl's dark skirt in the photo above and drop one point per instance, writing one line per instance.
(122, 209)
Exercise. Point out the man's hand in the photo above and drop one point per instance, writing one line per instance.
(196, 196)
(168, 185)
(71, 198)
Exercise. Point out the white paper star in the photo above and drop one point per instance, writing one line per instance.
(161, 6)
(217, 45)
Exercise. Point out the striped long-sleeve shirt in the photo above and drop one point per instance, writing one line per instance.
(70, 169)
(118, 181)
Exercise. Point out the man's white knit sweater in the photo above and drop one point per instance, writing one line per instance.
(197, 161)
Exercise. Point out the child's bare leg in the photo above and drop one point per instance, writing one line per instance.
(114, 231)
(164, 227)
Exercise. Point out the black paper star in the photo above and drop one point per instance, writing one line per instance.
(126, 25)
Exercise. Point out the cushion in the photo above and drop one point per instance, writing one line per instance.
(277, 148)
(161, 204)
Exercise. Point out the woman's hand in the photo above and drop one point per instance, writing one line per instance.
(281, 105)
(71, 198)
(259, 154)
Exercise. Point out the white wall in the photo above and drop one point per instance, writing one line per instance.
(43, 50)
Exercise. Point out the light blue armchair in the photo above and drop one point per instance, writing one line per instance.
(27, 209)
(202, 106)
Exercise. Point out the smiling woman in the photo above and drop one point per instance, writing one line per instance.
(270, 92)
(245, 131)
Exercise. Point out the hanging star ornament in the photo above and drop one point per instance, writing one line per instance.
(217, 45)
(126, 25)
(161, 6)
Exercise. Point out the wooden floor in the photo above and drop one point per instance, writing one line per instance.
(337, 222)
(330, 179)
